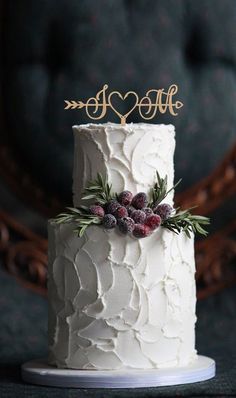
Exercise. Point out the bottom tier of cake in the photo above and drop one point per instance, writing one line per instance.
(120, 302)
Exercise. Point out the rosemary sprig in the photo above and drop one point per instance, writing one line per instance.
(187, 222)
(159, 191)
(99, 190)
(80, 216)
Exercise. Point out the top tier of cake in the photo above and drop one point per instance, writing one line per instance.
(129, 155)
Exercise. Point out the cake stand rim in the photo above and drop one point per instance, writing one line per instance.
(39, 372)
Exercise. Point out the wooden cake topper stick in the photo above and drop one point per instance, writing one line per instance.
(154, 101)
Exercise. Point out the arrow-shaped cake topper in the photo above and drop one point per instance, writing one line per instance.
(155, 100)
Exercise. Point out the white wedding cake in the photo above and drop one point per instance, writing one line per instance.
(116, 301)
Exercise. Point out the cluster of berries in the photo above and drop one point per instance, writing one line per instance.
(131, 214)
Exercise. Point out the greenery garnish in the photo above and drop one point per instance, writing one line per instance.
(159, 191)
(99, 190)
(187, 222)
(80, 216)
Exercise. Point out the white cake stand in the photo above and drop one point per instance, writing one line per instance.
(39, 372)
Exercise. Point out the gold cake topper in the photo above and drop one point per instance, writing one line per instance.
(155, 100)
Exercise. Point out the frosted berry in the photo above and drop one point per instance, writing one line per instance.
(130, 210)
(148, 211)
(164, 210)
(126, 225)
(121, 212)
(111, 206)
(109, 221)
(140, 200)
(153, 221)
(125, 198)
(141, 231)
(138, 216)
(97, 210)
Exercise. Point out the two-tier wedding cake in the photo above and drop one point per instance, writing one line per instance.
(117, 301)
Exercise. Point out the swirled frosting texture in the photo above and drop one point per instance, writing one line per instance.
(120, 302)
(129, 155)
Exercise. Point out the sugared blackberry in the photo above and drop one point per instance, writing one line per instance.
(121, 212)
(139, 200)
(138, 216)
(164, 210)
(148, 211)
(153, 221)
(130, 210)
(111, 206)
(141, 231)
(109, 221)
(126, 225)
(125, 198)
(97, 210)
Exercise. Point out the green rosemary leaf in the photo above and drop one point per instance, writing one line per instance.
(82, 230)
(100, 180)
(202, 219)
(86, 197)
(200, 230)
(158, 178)
(187, 233)
(159, 190)
(80, 216)
(175, 185)
(174, 229)
(62, 215)
(73, 210)
(99, 190)
(94, 188)
(185, 221)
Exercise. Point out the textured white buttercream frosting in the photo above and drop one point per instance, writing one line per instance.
(117, 301)
(129, 155)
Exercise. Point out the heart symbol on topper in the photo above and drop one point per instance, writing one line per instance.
(123, 98)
